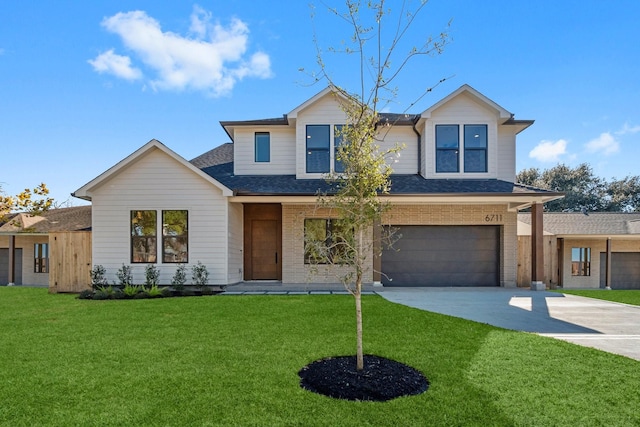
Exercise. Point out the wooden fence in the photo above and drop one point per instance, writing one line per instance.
(550, 261)
(69, 261)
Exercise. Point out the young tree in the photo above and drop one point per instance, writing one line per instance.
(365, 172)
(33, 202)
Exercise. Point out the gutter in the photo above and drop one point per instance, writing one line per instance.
(415, 122)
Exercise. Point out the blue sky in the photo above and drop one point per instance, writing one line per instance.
(85, 83)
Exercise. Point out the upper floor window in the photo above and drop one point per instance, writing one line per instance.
(447, 148)
(338, 140)
(475, 148)
(262, 147)
(318, 148)
(143, 236)
(175, 236)
(41, 258)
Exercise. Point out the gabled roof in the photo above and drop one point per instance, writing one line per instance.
(591, 224)
(77, 218)
(465, 88)
(84, 192)
(218, 163)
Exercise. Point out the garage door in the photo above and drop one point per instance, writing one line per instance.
(4, 266)
(625, 270)
(443, 256)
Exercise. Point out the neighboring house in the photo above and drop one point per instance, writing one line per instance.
(37, 244)
(244, 207)
(579, 246)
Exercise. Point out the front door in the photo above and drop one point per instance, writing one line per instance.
(262, 241)
(264, 249)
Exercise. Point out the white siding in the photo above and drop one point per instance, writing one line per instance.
(282, 156)
(236, 242)
(407, 161)
(460, 111)
(326, 111)
(506, 153)
(156, 182)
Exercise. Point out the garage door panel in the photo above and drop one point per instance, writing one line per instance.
(625, 270)
(443, 256)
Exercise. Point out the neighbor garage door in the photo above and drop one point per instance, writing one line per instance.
(4, 266)
(443, 256)
(625, 270)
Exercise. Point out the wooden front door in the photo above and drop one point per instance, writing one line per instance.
(264, 249)
(262, 242)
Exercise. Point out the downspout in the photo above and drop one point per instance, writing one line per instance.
(415, 122)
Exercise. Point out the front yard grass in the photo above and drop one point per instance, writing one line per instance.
(631, 296)
(233, 360)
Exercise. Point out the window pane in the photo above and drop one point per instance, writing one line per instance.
(175, 236)
(262, 147)
(581, 261)
(318, 157)
(318, 136)
(143, 236)
(475, 136)
(317, 161)
(475, 160)
(446, 160)
(447, 136)
(341, 237)
(338, 139)
(315, 241)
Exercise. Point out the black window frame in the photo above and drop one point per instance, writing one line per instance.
(581, 266)
(167, 237)
(258, 141)
(333, 251)
(40, 257)
(469, 148)
(314, 149)
(442, 150)
(138, 238)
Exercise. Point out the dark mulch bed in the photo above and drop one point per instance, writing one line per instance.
(381, 379)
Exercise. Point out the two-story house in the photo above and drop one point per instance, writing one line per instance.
(244, 207)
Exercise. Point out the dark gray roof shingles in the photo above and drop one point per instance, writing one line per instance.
(218, 163)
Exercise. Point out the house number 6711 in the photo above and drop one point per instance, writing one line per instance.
(493, 218)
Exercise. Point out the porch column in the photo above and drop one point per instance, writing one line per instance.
(377, 251)
(12, 261)
(608, 265)
(537, 248)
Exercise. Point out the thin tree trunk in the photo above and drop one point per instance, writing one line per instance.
(358, 294)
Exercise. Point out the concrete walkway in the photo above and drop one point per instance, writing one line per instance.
(604, 325)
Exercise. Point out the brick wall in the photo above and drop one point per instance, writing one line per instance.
(295, 271)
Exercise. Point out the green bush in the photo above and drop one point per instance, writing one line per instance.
(86, 294)
(152, 275)
(130, 291)
(98, 276)
(124, 275)
(200, 275)
(179, 278)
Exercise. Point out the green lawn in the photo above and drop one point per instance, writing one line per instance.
(625, 296)
(233, 360)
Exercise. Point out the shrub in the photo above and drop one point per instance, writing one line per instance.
(179, 278)
(86, 294)
(130, 291)
(152, 274)
(124, 275)
(100, 295)
(108, 292)
(153, 291)
(200, 275)
(98, 276)
(166, 292)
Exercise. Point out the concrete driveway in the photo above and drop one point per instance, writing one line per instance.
(604, 325)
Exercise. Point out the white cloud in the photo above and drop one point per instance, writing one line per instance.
(119, 66)
(626, 128)
(212, 59)
(605, 144)
(549, 151)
